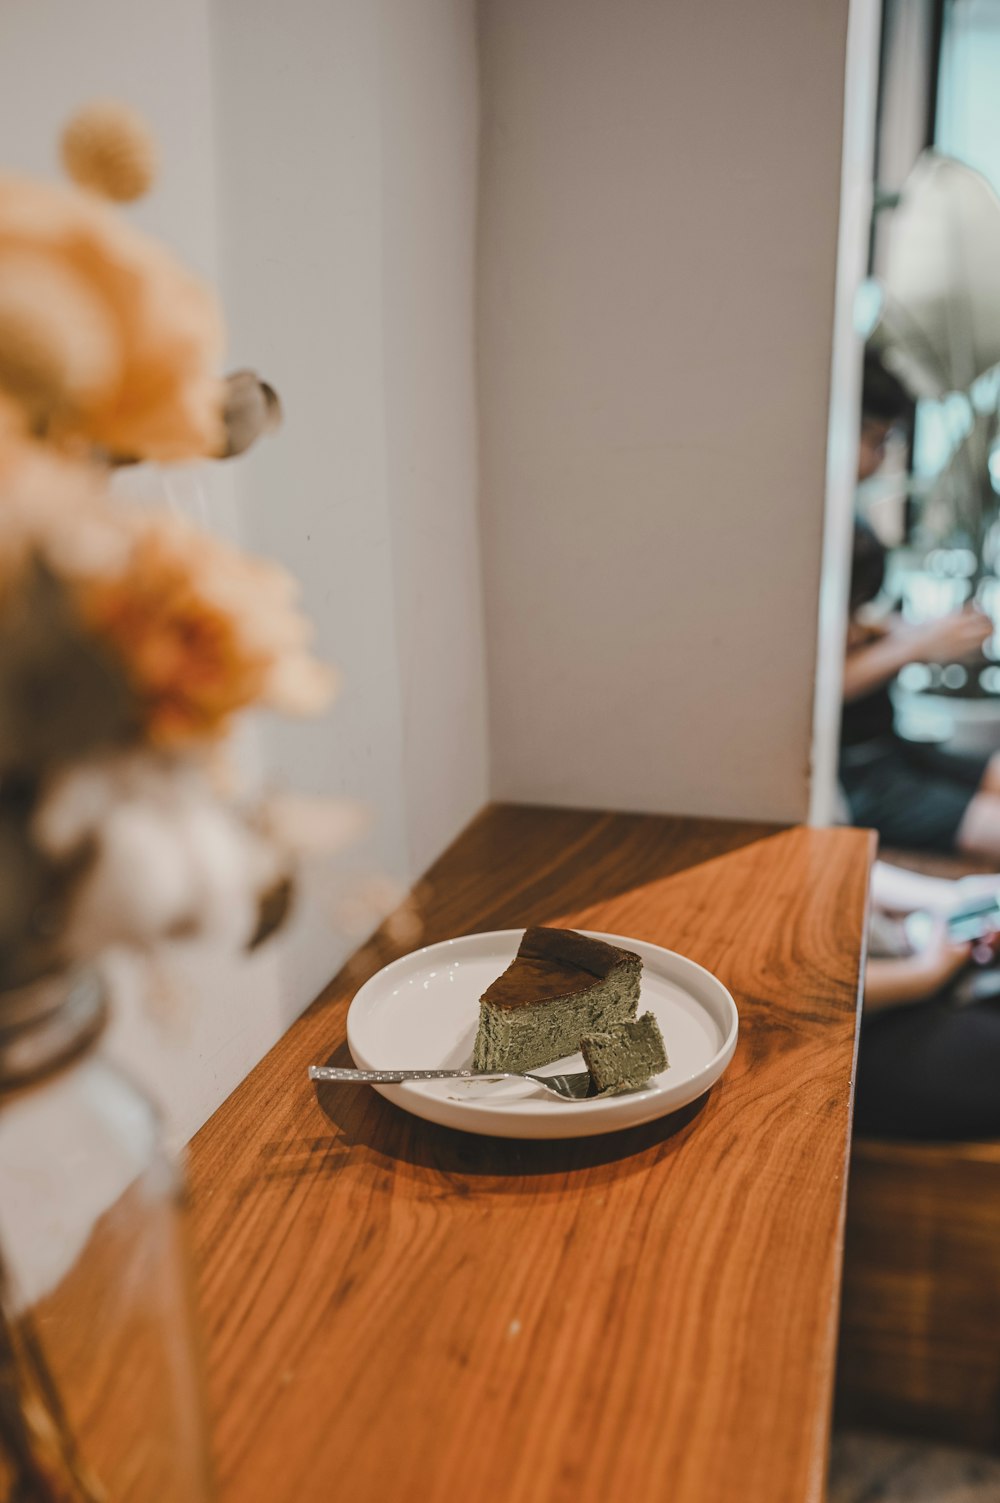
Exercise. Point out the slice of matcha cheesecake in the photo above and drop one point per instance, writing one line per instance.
(559, 986)
(626, 1055)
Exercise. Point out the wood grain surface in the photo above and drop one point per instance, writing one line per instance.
(399, 1313)
(921, 1307)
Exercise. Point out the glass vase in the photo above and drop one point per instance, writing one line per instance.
(99, 1393)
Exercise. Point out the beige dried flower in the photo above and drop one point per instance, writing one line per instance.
(54, 510)
(167, 859)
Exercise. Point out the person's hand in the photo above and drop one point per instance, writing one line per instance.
(940, 959)
(949, 639)
(862, 633)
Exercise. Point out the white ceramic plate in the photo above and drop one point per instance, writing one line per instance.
(421, 1013)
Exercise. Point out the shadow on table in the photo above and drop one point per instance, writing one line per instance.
(363, 1118)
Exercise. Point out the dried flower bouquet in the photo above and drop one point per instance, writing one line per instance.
(130, 641)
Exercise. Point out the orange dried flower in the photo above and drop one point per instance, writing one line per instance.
(199, 629)
(183, 655)
(202, 632)
(143, 336)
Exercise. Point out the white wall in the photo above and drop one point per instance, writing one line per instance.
(347, 136)
(658, 233)
(430, 148)
(319, 162)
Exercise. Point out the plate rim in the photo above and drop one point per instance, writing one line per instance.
(574, 1119)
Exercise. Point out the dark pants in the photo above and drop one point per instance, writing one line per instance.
(913, 795)
(930, 1071)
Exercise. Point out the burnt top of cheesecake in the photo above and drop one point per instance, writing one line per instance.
(554, 963)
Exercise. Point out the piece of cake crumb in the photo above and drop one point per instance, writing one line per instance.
(625, 1056)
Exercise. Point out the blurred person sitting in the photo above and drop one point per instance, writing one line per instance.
(915, 795)
(929, 1058)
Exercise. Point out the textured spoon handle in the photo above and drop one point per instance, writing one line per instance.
(389, 1077)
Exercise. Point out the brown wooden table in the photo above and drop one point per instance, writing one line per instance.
(398, 1313)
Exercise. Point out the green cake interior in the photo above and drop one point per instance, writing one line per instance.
(560, 986)
(626, 1055)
